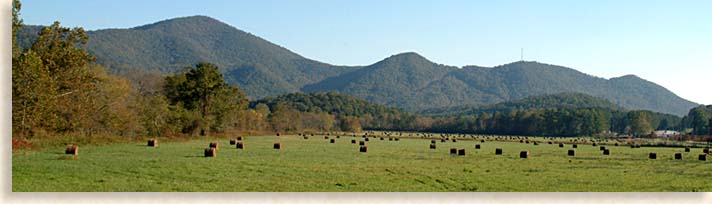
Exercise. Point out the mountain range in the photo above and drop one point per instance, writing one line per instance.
(405, 80)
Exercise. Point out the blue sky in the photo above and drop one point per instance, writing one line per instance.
(667, 42)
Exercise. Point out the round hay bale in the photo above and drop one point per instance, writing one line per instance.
(453, 151)
(606, 152)
(535, 143)
(571, 152)
(527, 141)
(594, 144)
(211, 152)
(550, 142)
(306, 137)
(152, 143)
(678, 156)
(524, 154)
(461, 152)
(332, 141)
(326, 137)
(616, 144)
(652, 156)
(483, 141)
(382, 138)
(397, 139)
(233, 141)
(277, 146)
(477, 146)
(338, 136)
(366, 139)
(215, 145)
(442, 140)
(240, 145)
(277, 134)
(72, 149)
(521, 141)
(432, 145)
(702, 157)
(363, 148)
(390, 139)
(498, 151)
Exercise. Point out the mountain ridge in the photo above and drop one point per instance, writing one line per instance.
(405, 80)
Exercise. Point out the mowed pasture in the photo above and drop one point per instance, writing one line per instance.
(316, 164)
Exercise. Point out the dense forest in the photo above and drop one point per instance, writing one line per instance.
(60, 91)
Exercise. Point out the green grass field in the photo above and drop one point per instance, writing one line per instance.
(392, 166)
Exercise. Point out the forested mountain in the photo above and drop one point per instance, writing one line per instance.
(550, 101)
(412, 82)
(407, 80)
(257, 66)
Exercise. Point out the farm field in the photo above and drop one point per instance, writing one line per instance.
(317, 165)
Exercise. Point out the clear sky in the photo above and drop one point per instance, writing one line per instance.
(667, 42)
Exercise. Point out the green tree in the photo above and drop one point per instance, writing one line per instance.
(639, 123)
(201, 89)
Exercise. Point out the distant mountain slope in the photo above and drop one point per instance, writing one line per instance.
(174, 44)
(405, 80)
(430, 85)
(559, 101)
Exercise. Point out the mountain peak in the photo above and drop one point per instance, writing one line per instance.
(187, 20)
(407, 58)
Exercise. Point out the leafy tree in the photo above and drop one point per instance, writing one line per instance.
(202, 90)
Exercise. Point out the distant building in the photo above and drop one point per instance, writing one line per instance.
(666, 133)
